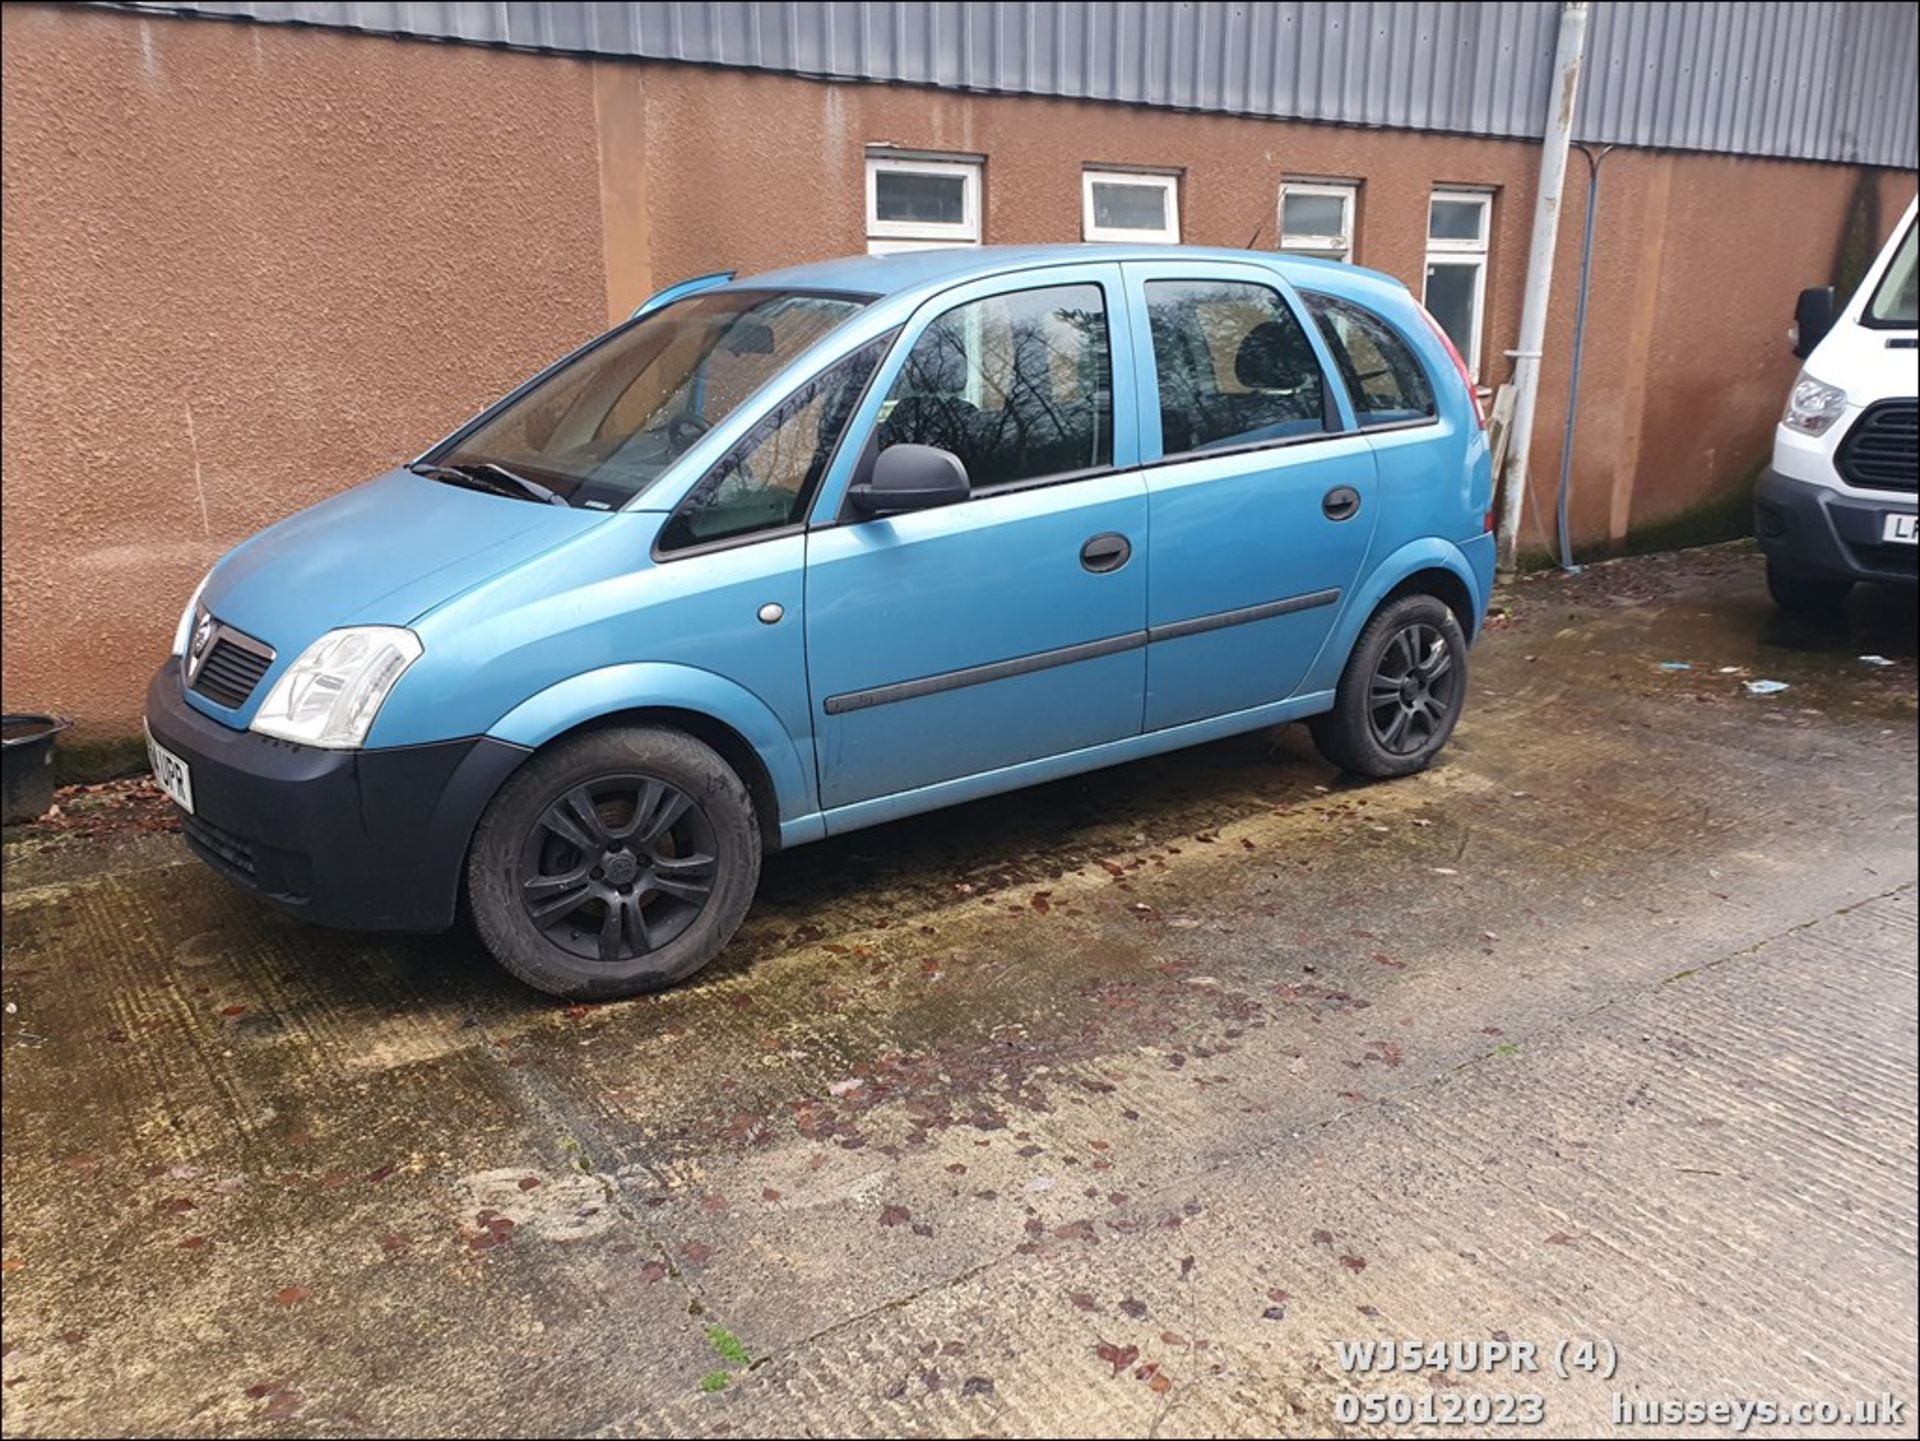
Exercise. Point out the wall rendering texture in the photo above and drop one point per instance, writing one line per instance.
(247, 266)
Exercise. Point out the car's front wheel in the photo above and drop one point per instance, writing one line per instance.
(616, 862)
(1401, 693)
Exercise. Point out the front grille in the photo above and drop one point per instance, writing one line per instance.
(224, 848)
(233, 667)
(1882, 451)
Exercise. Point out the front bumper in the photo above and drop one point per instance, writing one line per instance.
(1818, 530)
(371, 839)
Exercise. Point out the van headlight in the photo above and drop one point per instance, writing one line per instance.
(1813, 406)
(330, 695)
(182, 631)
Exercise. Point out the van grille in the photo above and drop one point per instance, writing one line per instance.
(233, 666)
(1880, 451)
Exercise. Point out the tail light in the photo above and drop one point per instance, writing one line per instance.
(1466, 376)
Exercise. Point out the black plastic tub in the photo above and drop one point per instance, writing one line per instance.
(26, 765)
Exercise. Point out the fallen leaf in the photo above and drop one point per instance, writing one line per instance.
(1356, 1264)
(1159, 1383)
(698, 1252)
(1042, 901)
(895, 1215)
(291, 1295)
(1081, 1299)
(1118, 1357)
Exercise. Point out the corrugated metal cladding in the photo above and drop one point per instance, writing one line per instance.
(1818, 81)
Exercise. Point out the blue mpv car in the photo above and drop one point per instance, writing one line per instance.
(783, 557)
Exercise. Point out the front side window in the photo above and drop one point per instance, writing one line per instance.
(1233, 364)
(769, 477)
(1896, 300)
(1383, 377)
(1115, 205)
(1458, 223)
(1019, 386)
(602, 429)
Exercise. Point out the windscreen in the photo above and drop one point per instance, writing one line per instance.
(603, 428)
(1896, 300)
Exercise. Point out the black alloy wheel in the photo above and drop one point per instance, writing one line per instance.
(1401, 692)
(614, 861)
(617, 867)
(1411, 695)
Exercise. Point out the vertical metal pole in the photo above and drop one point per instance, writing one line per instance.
(1546, 228)
(1579, 339)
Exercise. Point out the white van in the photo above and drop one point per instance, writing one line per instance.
(1837, 505)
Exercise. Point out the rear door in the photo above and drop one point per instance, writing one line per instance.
(1261, 495)
(947, 643)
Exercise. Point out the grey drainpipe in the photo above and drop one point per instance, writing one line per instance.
(1546, 228)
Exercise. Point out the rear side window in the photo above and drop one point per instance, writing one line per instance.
(1019, 386)
(768, 479)
(1234, 366)
(1383, 377)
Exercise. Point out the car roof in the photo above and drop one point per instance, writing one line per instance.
(910, 272)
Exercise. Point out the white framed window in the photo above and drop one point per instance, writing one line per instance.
(918, 203)
(1130, 205)
(1459, 223)
(1316, 218)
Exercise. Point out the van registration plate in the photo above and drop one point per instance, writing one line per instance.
(1899, 530)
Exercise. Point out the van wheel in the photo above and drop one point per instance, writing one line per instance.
(1812, 597)
(617, 862)
(1401, 693)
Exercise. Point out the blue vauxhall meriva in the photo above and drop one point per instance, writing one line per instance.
(783, 557)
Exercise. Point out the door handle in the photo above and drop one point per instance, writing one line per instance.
(1341, 503)
(1106, 552)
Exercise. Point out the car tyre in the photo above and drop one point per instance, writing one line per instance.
(1810, 597)
(614, 863)
(1401, 693)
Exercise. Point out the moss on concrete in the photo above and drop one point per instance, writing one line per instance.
(1723, 517)
(97, 758)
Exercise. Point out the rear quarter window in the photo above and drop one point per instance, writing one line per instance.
(1384, 378)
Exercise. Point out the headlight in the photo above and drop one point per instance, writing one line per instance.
(185, 628)
(1813, 406)
(330, 695)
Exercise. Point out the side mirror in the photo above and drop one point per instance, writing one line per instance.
(912, 477)
(1812, 319)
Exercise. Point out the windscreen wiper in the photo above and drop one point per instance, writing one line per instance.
(486, 475)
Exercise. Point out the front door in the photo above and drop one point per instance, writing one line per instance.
(1007, 628)
(1260, 497)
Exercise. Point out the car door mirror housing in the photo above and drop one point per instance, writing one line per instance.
(1812, 319)
(912, 477)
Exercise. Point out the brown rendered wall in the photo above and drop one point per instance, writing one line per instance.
(246, 266)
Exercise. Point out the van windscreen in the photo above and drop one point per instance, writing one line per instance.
(1896, 300)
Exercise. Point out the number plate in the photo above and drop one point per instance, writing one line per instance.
(1899, 530)
(171, 774)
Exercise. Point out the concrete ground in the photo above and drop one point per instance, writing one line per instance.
(1111, 1107)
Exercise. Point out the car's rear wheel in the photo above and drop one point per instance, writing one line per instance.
(1401, 693)
(617, 862)
(1812, 597)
